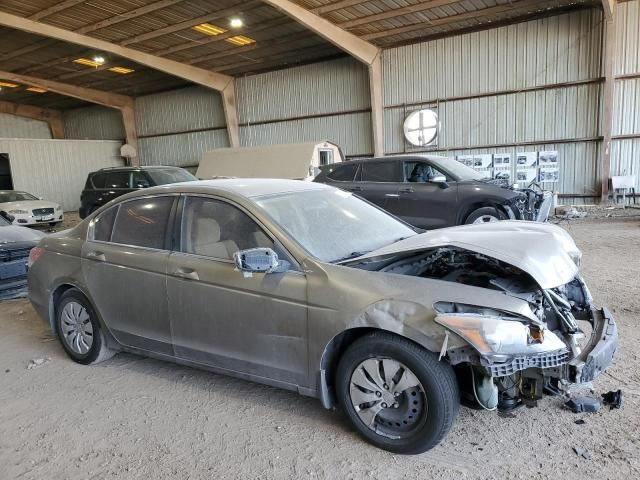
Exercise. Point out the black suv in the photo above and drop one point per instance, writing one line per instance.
(433, 192)
(109, 183)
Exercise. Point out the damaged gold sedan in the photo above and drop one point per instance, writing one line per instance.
(306, 287)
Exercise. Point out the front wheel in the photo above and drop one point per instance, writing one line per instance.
(485, 215)
(79, 329)
(398, 395)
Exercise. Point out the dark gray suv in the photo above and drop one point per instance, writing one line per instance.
(434, 192)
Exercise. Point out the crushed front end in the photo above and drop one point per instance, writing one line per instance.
(533, 204)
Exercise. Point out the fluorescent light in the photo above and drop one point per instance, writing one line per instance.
(240, 40)
(121, 70)
(8, 85)
(235, 22)
(99, 60)
(36, 89)
(88, 62)
(209, 29)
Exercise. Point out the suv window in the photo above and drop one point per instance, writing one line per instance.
(117, 180)
(103, 225)
(143, 222)
(139, 180)
(213, 228)
(344, 173)
(99, 180)
(382, 171)
(420, 172)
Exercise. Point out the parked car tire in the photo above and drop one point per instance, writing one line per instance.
(485, 215)
(79, 330)
(380, 368)
(54, 224)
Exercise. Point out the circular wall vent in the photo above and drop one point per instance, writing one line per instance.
(421, 127)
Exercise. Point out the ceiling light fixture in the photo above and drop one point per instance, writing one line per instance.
(121, 70)
(99, 60)
(88, 62)
(36, 89)
(235, 22)
(240, 40)
(209, 29)
(8, 85)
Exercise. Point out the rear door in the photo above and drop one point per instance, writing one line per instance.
(124, 263)
(381, 182)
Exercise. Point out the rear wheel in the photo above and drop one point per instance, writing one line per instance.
(397, 395)
(79, 329)
(485, 215)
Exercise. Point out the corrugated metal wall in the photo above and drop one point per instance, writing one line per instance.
(625, 149)
(93, 123)
(57, 169)
(12, 126)
(535, 83)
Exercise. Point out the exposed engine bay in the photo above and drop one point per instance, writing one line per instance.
(512, 359)
(534, 204)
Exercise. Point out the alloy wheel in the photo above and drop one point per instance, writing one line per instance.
(486, 219)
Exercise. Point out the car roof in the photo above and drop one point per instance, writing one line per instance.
(398, 158)
(145, 167)
(244, 187)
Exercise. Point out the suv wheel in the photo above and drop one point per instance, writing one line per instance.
(398, 395)
(485, 215)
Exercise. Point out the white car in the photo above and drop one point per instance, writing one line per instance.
(27, 209)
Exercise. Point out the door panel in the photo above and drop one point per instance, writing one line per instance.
(250, 324)
(381, 182)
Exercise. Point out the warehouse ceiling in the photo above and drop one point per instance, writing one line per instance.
(201, 33)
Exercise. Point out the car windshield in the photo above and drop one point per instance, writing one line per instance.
(456, 169)
(333, 225)
(170, 175)
(15, 197)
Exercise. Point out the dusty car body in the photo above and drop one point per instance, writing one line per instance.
(430, 191)
(327, 295)
(15, 244)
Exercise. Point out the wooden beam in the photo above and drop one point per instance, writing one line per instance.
(108, 99)
(52, 117)
(348, 42)
(608, 52)
(214, 80)
(360, 49)
(229, 104)
(129, 122)
(609, 7)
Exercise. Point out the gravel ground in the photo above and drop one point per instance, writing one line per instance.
(135, 417)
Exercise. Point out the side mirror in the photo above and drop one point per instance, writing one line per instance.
(441, 180)
(259, 260)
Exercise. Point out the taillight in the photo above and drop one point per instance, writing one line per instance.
(34, 255)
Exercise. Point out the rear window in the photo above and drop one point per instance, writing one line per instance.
(99, 180)
(143, 222)
(344, 173)
(104, 224)
(117, 180)
(382, 172)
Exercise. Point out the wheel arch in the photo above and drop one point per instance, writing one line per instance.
(468, 209)
(336, 347)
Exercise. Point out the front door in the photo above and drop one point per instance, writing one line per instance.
(124, 263)
(254, 324)
(426, 204)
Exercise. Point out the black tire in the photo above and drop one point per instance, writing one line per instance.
(438, 381)
(54, 224)
(485, 212)
(98, 350)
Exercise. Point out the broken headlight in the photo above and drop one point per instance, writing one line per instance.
(576, 256)
(492, 335)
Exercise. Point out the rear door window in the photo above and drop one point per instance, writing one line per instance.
(139, 180)
(382, 172)
(117, 180)
(103, 225)
(99, 180)
(143, 222)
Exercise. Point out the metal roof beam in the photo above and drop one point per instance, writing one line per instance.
(356, 47)
(216, 81)
(52, 117)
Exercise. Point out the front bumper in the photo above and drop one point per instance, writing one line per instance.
(30, 219)
(598, 354)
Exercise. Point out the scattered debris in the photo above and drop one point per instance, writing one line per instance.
(583, 452)
(613, 398)
(572, 213)
(583, 404)
(38, 362)
(580, 421)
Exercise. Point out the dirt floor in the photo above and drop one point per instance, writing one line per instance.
(134, 417)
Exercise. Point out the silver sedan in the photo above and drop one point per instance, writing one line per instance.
(306, 287)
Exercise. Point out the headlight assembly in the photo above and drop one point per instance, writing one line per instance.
(576, 256)
(18, 212)
(492, 335)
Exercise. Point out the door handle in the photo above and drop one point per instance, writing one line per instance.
(406, 190)
(98, 256)
(189, 273)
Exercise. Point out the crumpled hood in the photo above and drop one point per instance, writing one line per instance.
(13, 233)
(542, 250)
